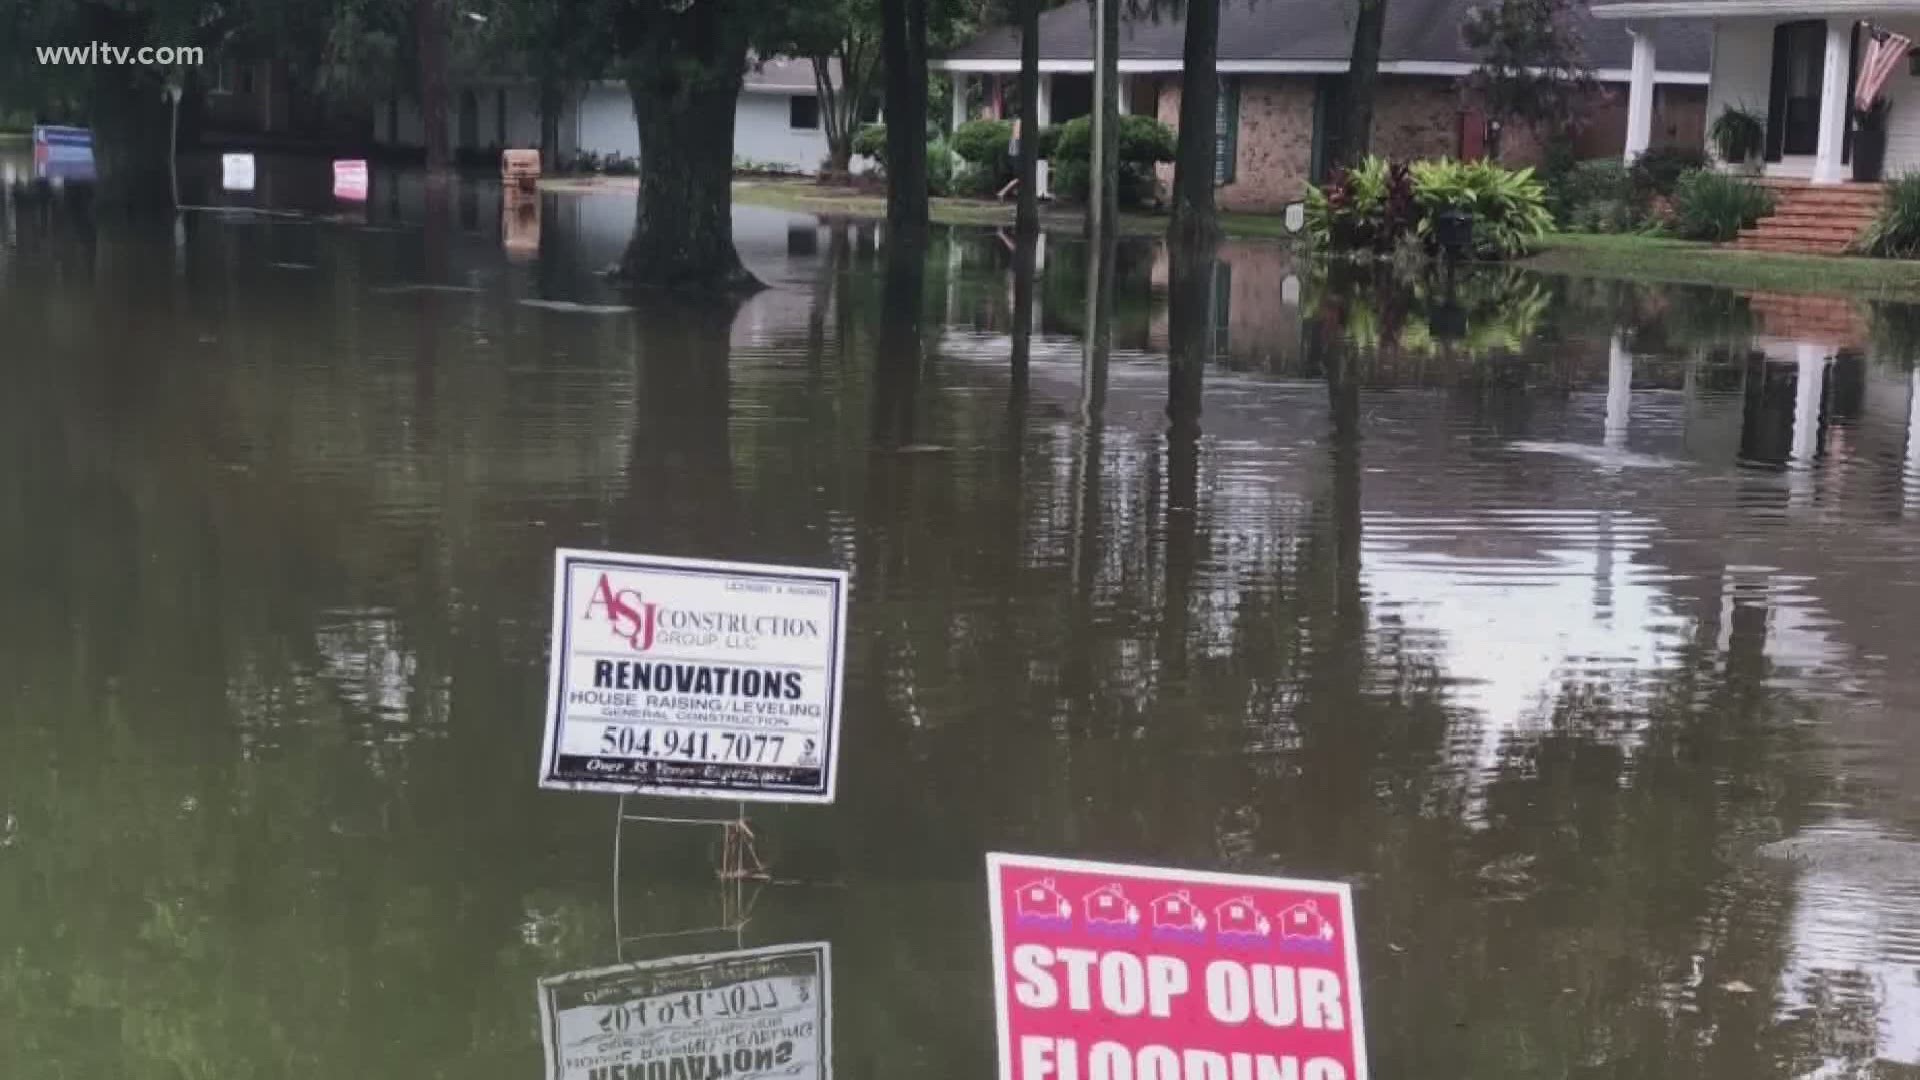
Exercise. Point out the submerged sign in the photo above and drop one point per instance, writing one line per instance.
(737, 1015)
(694, 678)
(1112, 972)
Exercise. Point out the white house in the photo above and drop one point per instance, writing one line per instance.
(1792, 62)
(777, 121)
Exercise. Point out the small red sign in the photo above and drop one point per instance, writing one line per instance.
(1113, 972)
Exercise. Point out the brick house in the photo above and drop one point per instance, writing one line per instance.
(1282, 68)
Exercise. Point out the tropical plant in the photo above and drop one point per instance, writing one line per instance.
(1509, 206)
(1710, 205)
(1895, 232)
(1736, 134)
(1144, 143)
(1365, 209)
(940, 162)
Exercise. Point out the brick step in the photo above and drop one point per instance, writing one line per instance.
(1803, 198)
(1811, 234)
(1788, 247)
(1805, 214)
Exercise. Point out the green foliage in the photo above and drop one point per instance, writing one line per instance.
(1710, 205)
(1895, 233)
(1144, 142)
(940, 168)
(1368, 208)
(1737, 134)
(983, 142)
(1659, 170)
(1600, 196)
(1372, 207)
(871, 142)
(1533, 66)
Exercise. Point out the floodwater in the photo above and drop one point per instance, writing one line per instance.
(1576, 623)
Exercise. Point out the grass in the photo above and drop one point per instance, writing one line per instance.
(811, 198)
(1646, 258)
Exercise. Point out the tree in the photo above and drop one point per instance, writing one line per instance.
(559, 44)
(1533, 65)
(1027, 215)
(432, 37)
(904, 51)
(1194, 218)
(684, 64)
(1363, 73)
(830, 34)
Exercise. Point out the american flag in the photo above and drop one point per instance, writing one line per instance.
(1884, 53)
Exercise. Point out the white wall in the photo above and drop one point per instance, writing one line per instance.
(763, 132)
(602, 122)
(1742, 67)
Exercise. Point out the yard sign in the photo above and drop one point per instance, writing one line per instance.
(694, 678)
(1114, 972)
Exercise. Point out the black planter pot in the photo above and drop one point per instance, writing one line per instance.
(1869, 154)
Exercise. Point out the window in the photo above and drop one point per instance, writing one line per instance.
(803, 112)
(1226, 132)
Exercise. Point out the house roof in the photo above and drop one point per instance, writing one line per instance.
(1422, 38)
(1779, 9)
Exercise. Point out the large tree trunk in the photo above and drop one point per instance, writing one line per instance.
(1363, 72)
(1194, 220)
(553, 97)
(1109, 106)
(683, 227)
(904, 44)
(131, 136)
(430, 34)
(1027, 217)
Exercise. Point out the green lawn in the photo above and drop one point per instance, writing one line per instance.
(811, 198)
(1643, 258)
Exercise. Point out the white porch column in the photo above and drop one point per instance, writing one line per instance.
(1834, 92)
(1640, 96)
(1126, 94)
(959, 99)
(1044, 120)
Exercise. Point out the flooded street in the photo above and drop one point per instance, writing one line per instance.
(1576, 623)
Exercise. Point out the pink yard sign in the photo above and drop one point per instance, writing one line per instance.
(1111, 972)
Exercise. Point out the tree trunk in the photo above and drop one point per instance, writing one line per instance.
(683, 227)
(553, 99)
(131, 129)
(904, 42)
(430, 34)
(837, 115)
(1363, 72)
(1027, 216)
(1109, 106)
(1194, 220)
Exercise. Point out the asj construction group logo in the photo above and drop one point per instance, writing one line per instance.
(628, 616)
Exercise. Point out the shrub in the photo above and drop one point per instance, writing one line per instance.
(1895, 232)
(983, 145)
(1509, 206)
(871, 142)
(1144, 142)
(1367, 208)
(939, 168)
(1710, 205)
(1599, 196)
(1659, 170)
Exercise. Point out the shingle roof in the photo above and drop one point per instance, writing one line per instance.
(1425, 31)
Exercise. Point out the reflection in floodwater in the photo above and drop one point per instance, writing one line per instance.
(1571, 620)
(749, 1013)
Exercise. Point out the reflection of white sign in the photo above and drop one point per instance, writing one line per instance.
(741, 1015)
(350, 180)
(694, 678)
(236, 172)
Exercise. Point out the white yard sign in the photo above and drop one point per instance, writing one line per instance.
(741, 1015)
(694, 678)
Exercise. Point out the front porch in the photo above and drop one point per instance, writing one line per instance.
(1793, 67)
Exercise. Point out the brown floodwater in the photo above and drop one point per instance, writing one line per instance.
(1575, 622)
